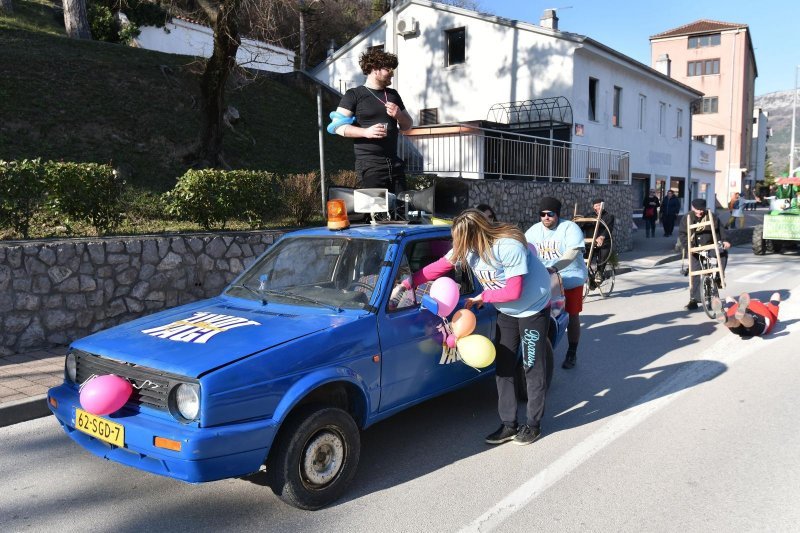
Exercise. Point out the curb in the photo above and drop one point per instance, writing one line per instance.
(23, 410)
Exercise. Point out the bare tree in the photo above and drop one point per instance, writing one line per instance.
(7, 7)
(223, 17)
(75, 20)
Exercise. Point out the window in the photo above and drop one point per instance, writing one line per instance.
(710, 105)
(662, 118)
(642, 111)
(592, 99)
(616, 119)
(713, 140)
(679, 127)
(701, 41)
(456, 46)
(592, 175)
(429, 116)
(706, 67)
(378, 47)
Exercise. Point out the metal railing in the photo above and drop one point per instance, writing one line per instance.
(461, 150)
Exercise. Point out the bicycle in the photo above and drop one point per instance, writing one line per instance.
(710, 280)
(601, 273)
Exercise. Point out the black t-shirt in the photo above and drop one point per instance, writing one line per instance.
(368, 106)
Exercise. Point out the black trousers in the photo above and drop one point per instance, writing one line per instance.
(537, 359)
(381, 173)
(669, 224)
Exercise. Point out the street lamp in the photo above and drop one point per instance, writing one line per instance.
(794, 115)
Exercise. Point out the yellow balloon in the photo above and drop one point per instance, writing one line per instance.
(476, 350)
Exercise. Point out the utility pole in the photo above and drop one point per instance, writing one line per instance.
(794, 115)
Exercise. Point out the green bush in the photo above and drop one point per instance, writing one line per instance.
(22, 191)
(102, 23)
(85, 192)
(212, 197)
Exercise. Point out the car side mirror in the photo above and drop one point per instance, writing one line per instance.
(430, 304)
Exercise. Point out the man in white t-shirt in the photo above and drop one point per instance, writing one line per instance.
(559, 244)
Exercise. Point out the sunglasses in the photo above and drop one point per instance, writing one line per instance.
(548, 214)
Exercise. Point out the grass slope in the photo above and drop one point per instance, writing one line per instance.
(72, 100)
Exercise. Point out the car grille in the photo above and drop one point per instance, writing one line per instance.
(150, 387)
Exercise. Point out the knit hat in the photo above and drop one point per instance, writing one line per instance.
(699, 203)
(597, 201)
(548, 203)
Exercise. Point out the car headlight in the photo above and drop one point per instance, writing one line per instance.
(186, 398)
(71, 367)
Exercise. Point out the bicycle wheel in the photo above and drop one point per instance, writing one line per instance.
(606, 284)
(710, 291)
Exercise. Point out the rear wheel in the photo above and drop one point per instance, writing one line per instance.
(759, 246)
(710, 292)
(315, 458)
(606, 281)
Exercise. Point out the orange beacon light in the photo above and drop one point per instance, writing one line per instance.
(337, 215)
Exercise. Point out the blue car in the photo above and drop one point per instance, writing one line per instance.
(308, 346)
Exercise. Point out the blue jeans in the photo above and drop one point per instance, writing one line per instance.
(650, 227)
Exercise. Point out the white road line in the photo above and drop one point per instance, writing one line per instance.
(732, 349)
(760, 276)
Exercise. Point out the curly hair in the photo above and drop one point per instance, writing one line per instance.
(472, 232)
(376, 59)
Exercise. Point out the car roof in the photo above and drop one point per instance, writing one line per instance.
(386, 231)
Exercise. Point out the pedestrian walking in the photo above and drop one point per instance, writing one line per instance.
(560, 245)
(650, 213)
(518, 285)
(669, 212)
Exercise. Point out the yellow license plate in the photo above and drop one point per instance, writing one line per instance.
(101, 428)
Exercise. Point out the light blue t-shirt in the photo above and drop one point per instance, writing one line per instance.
(512, 258)
(551, 245)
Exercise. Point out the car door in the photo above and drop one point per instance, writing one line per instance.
(415, 361)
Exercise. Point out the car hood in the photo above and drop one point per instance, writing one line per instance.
(197, 338)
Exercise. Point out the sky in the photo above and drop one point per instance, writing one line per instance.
(626, 26)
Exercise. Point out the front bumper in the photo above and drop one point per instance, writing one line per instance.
(207, 454)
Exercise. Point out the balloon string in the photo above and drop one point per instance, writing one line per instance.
(144, 384)
(90, 378)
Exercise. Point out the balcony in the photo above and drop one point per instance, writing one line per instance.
(469, 151)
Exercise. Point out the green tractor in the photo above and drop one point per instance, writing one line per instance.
(781, 228)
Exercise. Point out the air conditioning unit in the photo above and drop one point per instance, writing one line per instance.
(406, 26)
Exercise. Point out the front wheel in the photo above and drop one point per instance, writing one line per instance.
(316, 457)
(710, 291)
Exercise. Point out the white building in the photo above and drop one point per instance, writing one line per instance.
(758, 151)
(704, 172)
(184, 37)
(458, 65)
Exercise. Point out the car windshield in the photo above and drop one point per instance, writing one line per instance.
(335, 272)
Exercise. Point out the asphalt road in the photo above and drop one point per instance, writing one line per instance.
(668, 423)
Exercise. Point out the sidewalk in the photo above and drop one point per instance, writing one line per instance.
(25, 378)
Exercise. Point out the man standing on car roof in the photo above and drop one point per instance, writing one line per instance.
(379, 112)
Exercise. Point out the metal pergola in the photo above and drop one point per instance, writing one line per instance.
(547, 113)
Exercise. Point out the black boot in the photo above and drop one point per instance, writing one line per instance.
(569, 360)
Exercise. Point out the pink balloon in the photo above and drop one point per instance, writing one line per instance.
(451, 341)
(445, 292)
(105, 394)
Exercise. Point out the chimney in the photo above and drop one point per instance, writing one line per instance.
(549, 19)
(664, 65)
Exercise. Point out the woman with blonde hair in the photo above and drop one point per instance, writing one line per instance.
(516, 282)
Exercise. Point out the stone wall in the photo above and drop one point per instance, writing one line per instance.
(52, 292)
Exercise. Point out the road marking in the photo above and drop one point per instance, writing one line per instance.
(760, 276)
(732, 349)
